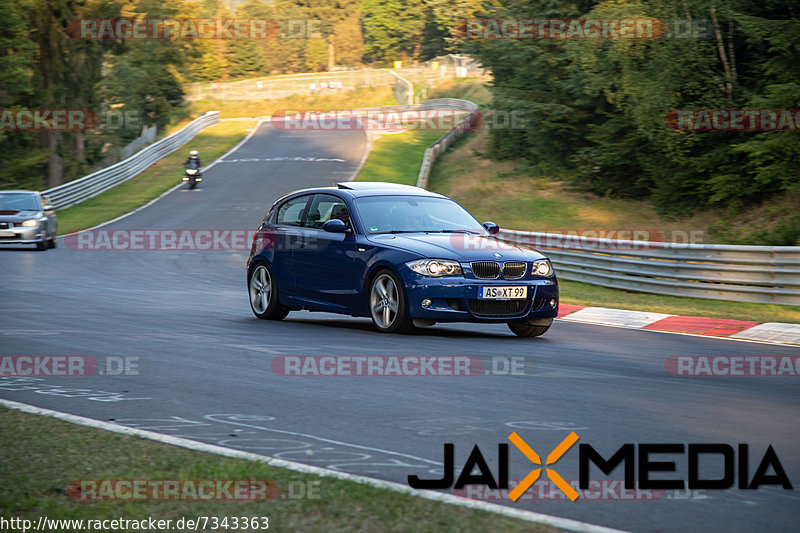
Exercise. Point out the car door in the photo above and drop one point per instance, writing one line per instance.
(288, 235)
(324, 263)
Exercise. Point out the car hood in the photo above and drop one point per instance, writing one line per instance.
(456, 246)
(11, 215)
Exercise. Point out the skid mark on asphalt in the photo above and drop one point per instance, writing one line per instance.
(39, 386)
(252, 433)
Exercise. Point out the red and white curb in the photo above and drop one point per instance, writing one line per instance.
(769, 332)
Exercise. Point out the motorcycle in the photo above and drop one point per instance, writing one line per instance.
(193, 177)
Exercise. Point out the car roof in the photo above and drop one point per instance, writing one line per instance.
(356, 189)
(19, 191)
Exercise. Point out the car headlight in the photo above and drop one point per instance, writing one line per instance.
(435, 268)
(542, 267)
(30, 223)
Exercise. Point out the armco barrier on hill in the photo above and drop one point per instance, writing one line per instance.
(76, 191)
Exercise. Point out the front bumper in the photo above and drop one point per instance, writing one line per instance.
(22, 235)
(455, 299)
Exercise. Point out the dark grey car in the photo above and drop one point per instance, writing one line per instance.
(26, 217)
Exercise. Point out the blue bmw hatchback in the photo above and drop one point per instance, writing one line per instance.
(401, 255)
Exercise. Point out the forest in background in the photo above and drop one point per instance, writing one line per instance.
(592, 111)
(130, 84)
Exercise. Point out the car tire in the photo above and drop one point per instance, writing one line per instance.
(52, 243)
(524, 328)
(263, 292)
(41, 245)
(387, 303)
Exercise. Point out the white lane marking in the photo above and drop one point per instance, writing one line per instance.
(528, 516)
(175, 188)
(255, 348)
(616, 317)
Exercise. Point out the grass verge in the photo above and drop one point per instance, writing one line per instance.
(396, 158)
(363, 97)
(42, 455)
(212, 142)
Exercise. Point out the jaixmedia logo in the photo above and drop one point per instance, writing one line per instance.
(639, 467)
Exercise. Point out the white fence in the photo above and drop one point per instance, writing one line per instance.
(756, 274)
(314, 83)
(76, 191)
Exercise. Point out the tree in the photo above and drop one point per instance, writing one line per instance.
(393, 30)
(595, 109)
(348, 39)
(329, 13)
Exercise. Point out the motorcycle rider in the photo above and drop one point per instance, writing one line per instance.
(193, 161)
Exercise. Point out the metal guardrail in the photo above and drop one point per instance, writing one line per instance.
(76, 191)
(444, 142)
(755, 274)
(403, 89)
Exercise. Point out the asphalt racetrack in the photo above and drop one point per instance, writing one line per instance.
(206, 370)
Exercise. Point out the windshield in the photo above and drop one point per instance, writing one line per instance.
(411, 214)
(18, 201)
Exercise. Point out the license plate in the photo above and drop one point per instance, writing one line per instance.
(7, 234)
(502, 293)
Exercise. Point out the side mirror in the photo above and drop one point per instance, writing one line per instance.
(335, 226)
(48, 207)
(491, 227)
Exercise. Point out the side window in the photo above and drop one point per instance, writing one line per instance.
(291, 213)
(325, 207)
